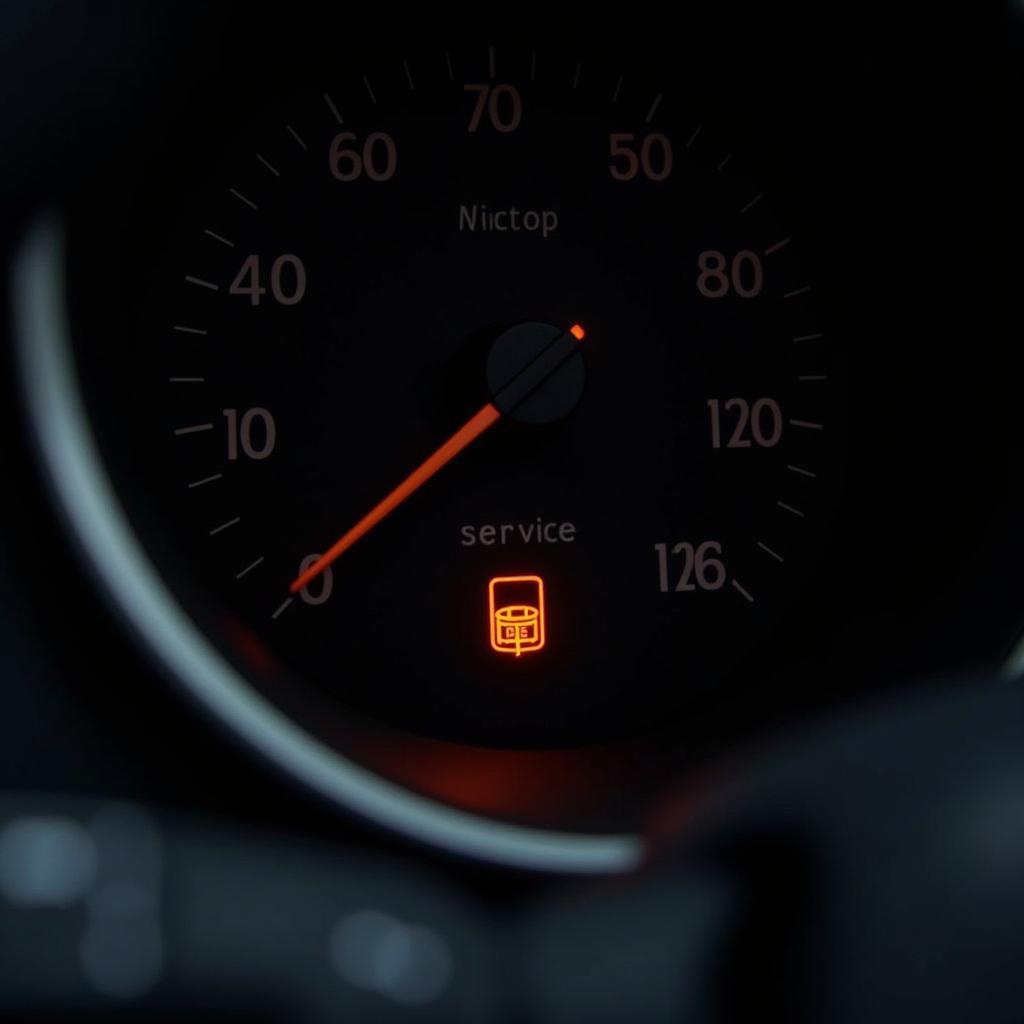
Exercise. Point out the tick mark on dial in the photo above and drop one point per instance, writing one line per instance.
(205, 480)
(768, 551)
(753, 202)
(218, 238)
(333, 109)
(243, 199)
(249, 568)
(269, 166)
(790, 509)
(225, 526)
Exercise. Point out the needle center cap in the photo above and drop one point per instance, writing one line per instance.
(536, 373)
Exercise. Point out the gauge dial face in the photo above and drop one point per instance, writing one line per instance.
(484, 396)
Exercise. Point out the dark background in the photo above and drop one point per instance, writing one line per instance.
(889, 137)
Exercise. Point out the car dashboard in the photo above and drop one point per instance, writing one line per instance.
(451, 471)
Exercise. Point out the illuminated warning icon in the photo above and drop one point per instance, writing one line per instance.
(516, 605)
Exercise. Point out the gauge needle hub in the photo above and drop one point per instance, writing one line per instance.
(516, 390)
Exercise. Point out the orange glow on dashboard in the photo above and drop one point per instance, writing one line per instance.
(577, 332)
(516, 614)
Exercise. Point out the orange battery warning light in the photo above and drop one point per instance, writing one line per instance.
(516, 614)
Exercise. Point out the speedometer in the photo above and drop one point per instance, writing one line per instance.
(479, 399)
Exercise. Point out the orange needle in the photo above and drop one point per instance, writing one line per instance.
(462, 438)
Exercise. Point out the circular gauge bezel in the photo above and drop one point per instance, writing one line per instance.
(533, 814)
